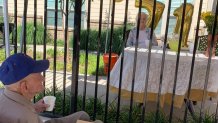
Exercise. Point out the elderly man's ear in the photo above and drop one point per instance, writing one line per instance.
(23, 87)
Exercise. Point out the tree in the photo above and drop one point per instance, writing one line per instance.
(64, 12)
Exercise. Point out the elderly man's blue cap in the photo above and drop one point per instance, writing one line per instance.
(18, 66)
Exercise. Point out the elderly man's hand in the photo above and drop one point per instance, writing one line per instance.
(40, 106)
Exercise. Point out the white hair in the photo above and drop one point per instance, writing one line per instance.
(137, 16)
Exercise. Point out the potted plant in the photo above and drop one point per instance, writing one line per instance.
(113, 60)
(209, 18)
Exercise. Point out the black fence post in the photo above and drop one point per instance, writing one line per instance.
(76, 49)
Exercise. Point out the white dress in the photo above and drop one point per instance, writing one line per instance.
(143, 39)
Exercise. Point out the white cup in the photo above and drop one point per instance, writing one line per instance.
(191, 47)
(50, 100)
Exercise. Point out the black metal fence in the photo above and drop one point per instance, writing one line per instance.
(76, 57)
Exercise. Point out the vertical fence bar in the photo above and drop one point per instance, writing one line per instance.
(177, 61)
(23, 37)
(162, 63)
(108, 22)
(34, 33)
(35, 29)
(44, 37)
(98, 59)
(6, 29)
(122, 57)
(135, 61)
(76, 48)
(55, 46)
(15, 27)
(209, 64)
(193, 60)
(149, 53)
(86, 57)
(216, 120)
(108, 76)
(148, 63)
(160, 84)
(65, 54)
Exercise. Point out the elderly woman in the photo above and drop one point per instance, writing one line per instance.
(144, 34)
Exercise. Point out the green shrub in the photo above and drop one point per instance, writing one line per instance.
(207, 117)
(30, 33)
(60, 43)
(209, 18)
(1, 19)
(100, 109)
(93, 39)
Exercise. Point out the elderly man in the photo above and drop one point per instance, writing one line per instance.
(22, 78)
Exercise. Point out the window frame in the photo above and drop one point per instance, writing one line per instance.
(71, 11)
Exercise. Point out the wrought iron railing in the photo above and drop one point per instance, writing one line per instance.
(76, 55)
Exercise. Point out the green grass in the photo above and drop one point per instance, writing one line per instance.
(92, 61)
(2, 55)
(60, 43)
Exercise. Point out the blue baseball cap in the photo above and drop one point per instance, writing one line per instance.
(18, 66)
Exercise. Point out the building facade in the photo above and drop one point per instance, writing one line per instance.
(95, 9)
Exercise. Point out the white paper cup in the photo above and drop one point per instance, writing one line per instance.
(50, 100)
(191, 47)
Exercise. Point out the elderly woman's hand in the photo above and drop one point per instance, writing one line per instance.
(40, 106)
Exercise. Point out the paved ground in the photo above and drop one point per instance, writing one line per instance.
(90, 83)
(210, 105)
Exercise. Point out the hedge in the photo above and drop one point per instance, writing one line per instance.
(30, 33)
(117, 40)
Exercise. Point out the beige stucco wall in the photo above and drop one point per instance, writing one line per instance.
(119, 11)
(95, 9)
(30, 10)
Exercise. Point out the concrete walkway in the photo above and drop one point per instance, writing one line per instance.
(91, 80)
(209, 105)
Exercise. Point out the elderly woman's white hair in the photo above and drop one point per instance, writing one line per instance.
(137, 16)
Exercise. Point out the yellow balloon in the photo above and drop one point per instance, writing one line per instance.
(187, 22)
(148, 5)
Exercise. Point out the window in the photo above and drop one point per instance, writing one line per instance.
(51, 15)
(1, 7)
